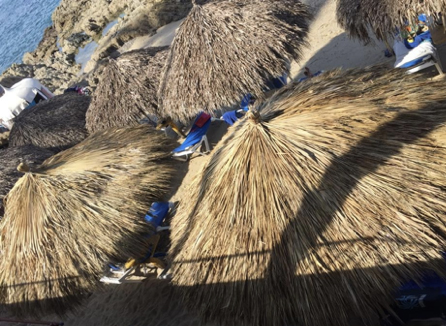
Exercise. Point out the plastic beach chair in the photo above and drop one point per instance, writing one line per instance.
(417, 55)
(421, 302)
(231, 117)
(195, 139)
(120, 274)
(157, 214)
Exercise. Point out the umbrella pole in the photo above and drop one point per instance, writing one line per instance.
(48, 323)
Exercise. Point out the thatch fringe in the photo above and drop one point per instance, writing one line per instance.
(58, 123)
(127, 90)
(358, 17)
(10, 158)
(314, 212)
(78, 210)
(225, 49)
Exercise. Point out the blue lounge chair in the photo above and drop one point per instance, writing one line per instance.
(118, 274)
(276, 83)
(418, 54)
(157, 213)
(231, 117)
(424, 300)
(195, 139)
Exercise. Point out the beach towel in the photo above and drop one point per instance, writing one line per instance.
(201, 120)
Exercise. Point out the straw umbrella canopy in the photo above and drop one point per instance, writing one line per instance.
(58, 123)
(10, 158)
(359, 17)
(127, 90)
(82, 207)
(225, 49)
(320, 203)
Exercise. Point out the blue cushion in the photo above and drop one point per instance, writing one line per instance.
(157, 213)
(414, 62)
(195, 135)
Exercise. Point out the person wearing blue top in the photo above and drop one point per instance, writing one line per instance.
(413, 41)
(417, 34)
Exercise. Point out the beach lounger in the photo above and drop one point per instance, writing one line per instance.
(231, 117)
(423, 56)
(421, 302)
(195, 139)
(152, 260)
(277, 82)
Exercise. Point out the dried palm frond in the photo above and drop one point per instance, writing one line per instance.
(58, 123)
(10, 158)
(225, 49)
(358, 17)
(82, 207)
(127, 90)
(324, 200)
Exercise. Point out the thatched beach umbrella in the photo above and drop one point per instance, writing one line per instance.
(225, 49)
(359, 17)
(58, 123)
(10, 158)
(82, 207)
(127, 90)
(316, 208)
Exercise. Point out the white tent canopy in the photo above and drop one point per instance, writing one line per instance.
(18, 97)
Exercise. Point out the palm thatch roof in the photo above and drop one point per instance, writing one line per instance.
(10, 158)
(323, 201)
(127, 90)
(81, 208)
(58, 123)
(225, 49)
(359, 17)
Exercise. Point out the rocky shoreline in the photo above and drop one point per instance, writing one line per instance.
(76, 24)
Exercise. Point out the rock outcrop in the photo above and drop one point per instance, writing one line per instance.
(76, 23)
(57, 77)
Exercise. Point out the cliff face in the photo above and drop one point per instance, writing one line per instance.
(76, 23)
(136, 18)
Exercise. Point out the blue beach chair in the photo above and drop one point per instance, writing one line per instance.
(195, 139)
(231, 117)
(420, 301)
(118, 274)
(418, 53)
(157, 214)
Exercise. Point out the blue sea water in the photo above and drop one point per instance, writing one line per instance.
(22, 23)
